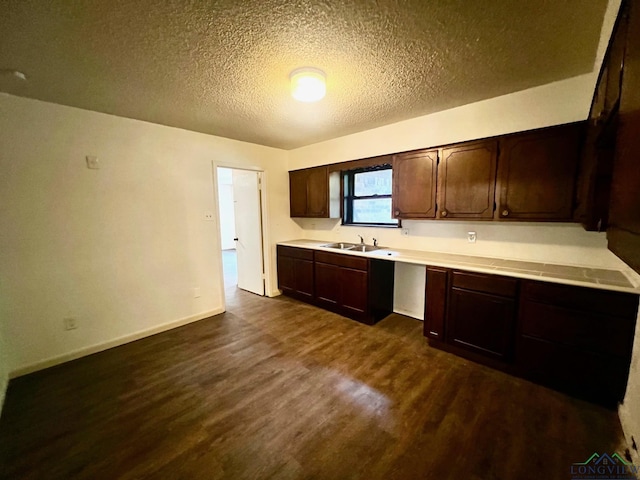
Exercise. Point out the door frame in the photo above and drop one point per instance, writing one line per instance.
(266, 257)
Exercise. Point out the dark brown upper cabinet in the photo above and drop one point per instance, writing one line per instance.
(311, 191)
(414, 184)
(537, 174)
(598, 149)
(467, 177)
(624, 214)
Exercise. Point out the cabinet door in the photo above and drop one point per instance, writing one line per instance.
(298, 193)
(481, 323)
(286, 274)
(624, 214)
(304, 279)
(537, 174)
(435, 304)
(309, 192)
(327, 284)
(414, 184)
(467, 180)
(615, 62)
(353, 293)
(318, 192)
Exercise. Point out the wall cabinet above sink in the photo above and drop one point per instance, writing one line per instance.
(527, 176)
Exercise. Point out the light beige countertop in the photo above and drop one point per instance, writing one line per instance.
(605, 279)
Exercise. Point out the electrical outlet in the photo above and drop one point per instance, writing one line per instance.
(196, 292)
(471, 237)
(208, 217)
(405, 232)
(70, 323)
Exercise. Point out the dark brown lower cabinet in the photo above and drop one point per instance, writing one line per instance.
(577, 340)
(354, 293)
(295, 272)
(480, 320)
(356, 287)
(481, 323)
(435, 303)
(574, 339)
(327, 286)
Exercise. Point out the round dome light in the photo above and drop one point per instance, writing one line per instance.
(308, 84)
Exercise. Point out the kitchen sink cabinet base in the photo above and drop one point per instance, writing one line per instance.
(355, 287)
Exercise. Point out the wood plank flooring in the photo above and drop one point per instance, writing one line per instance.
(278, 389)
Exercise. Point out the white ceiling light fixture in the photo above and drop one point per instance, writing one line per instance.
(308, 84)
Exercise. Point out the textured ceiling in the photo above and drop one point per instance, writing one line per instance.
(221, 67)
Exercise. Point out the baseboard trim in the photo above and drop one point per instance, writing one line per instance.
(83, 352)
(407, 313)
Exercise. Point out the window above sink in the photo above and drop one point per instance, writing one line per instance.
(367, 197)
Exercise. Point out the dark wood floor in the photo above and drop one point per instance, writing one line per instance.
(278, 389)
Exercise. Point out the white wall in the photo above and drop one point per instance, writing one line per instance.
(226, 209)
(409, 290)
(121, 248)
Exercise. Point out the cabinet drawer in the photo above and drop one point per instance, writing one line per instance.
(348, 261)
(295, 252)
(479, 282)
(584, 299)
(583, 330)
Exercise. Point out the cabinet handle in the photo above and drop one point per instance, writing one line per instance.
(443, 213)
(435, 334)
(505, 213)
(397, 212)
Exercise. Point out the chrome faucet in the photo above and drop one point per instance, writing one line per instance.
(361, 239)
(375, 242)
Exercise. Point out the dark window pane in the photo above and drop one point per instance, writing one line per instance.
(373, 183)
(373, 210)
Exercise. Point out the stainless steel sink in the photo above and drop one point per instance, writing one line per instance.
(364, 248)
(340, 246)
(354, 247)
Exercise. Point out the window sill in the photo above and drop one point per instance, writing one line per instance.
(374, 225)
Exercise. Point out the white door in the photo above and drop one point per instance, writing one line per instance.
(248, 218)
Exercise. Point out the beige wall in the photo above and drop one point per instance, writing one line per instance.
(121, 248)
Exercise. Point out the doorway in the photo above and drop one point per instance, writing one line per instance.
(240, 220)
